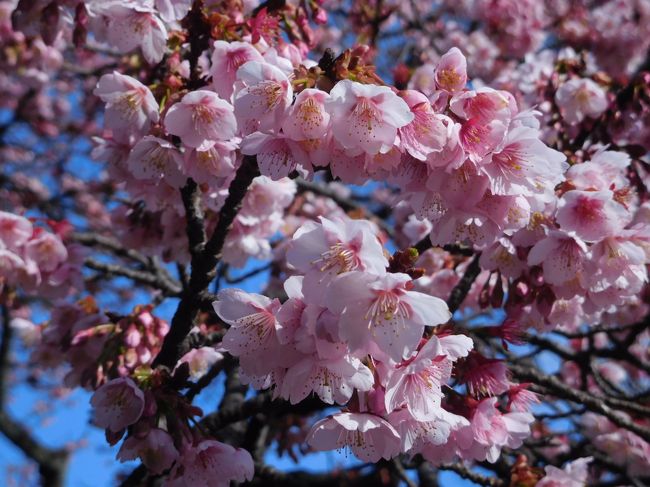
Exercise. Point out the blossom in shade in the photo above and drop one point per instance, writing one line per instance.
(493, 430)
(211, 463)
(274, 154)
(156, 159)
(156, 450)
(332, 380)
(251, 318)
(365, 118)
(561, 255)
(484, 376)
(171, 10)
(200, 360)
(200, 119)
(428, 131)
(129, 25)
(117, 404)
(520, 398)
(418, 383)
(574, 474)
(368, 436)
(47, 251)
(580, 98)
(418, 435)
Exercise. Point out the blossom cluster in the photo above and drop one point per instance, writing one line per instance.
(134, 400)
(352, 333)
(198, 91)
(155, 419)
(98, 348)
(37, 260)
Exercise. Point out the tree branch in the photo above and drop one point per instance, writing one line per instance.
(204, 263)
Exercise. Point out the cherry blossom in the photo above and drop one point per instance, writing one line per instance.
(130, 106)
(580, 98)
(451, 71)
(383, 311)
(156, 450)
(335, 200)
(574, 474)
(117, 404)
(369, 437)
(262, 102)
(227, 58)
(211, 463)
(200, 119)
(365, 118)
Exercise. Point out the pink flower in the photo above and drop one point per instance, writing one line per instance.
(451, 71)
(493, 430)
(419, 383)
(382, 311)
(117, 404)
(212, 166)
(574, 474)
(251, 318)
(480, 137)
(156, 159)
(275, 154)
(419, 435)
(156, 450)
(502, 256)
(15, 230)
(525, 165)
(591, 215)
(333, 381)
(368, 436)
(520, 398)
(200, 360)
(47, 251)
(428, 132)
(200, 119)
(211, 464)
(130, 105)
(266, 196)
(483, 376)
(262, 103)
(605, 170)
(580, 98)
(321, 251)
(307, 118)
(128, 25)
(365, 118)
(483, 104)
(227, 58)
(561, 255)
(617, 258)
(171, 10)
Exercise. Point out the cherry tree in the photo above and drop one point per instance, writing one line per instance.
(415, 231)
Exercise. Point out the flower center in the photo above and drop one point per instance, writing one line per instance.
(339, 257)
(387, 306)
